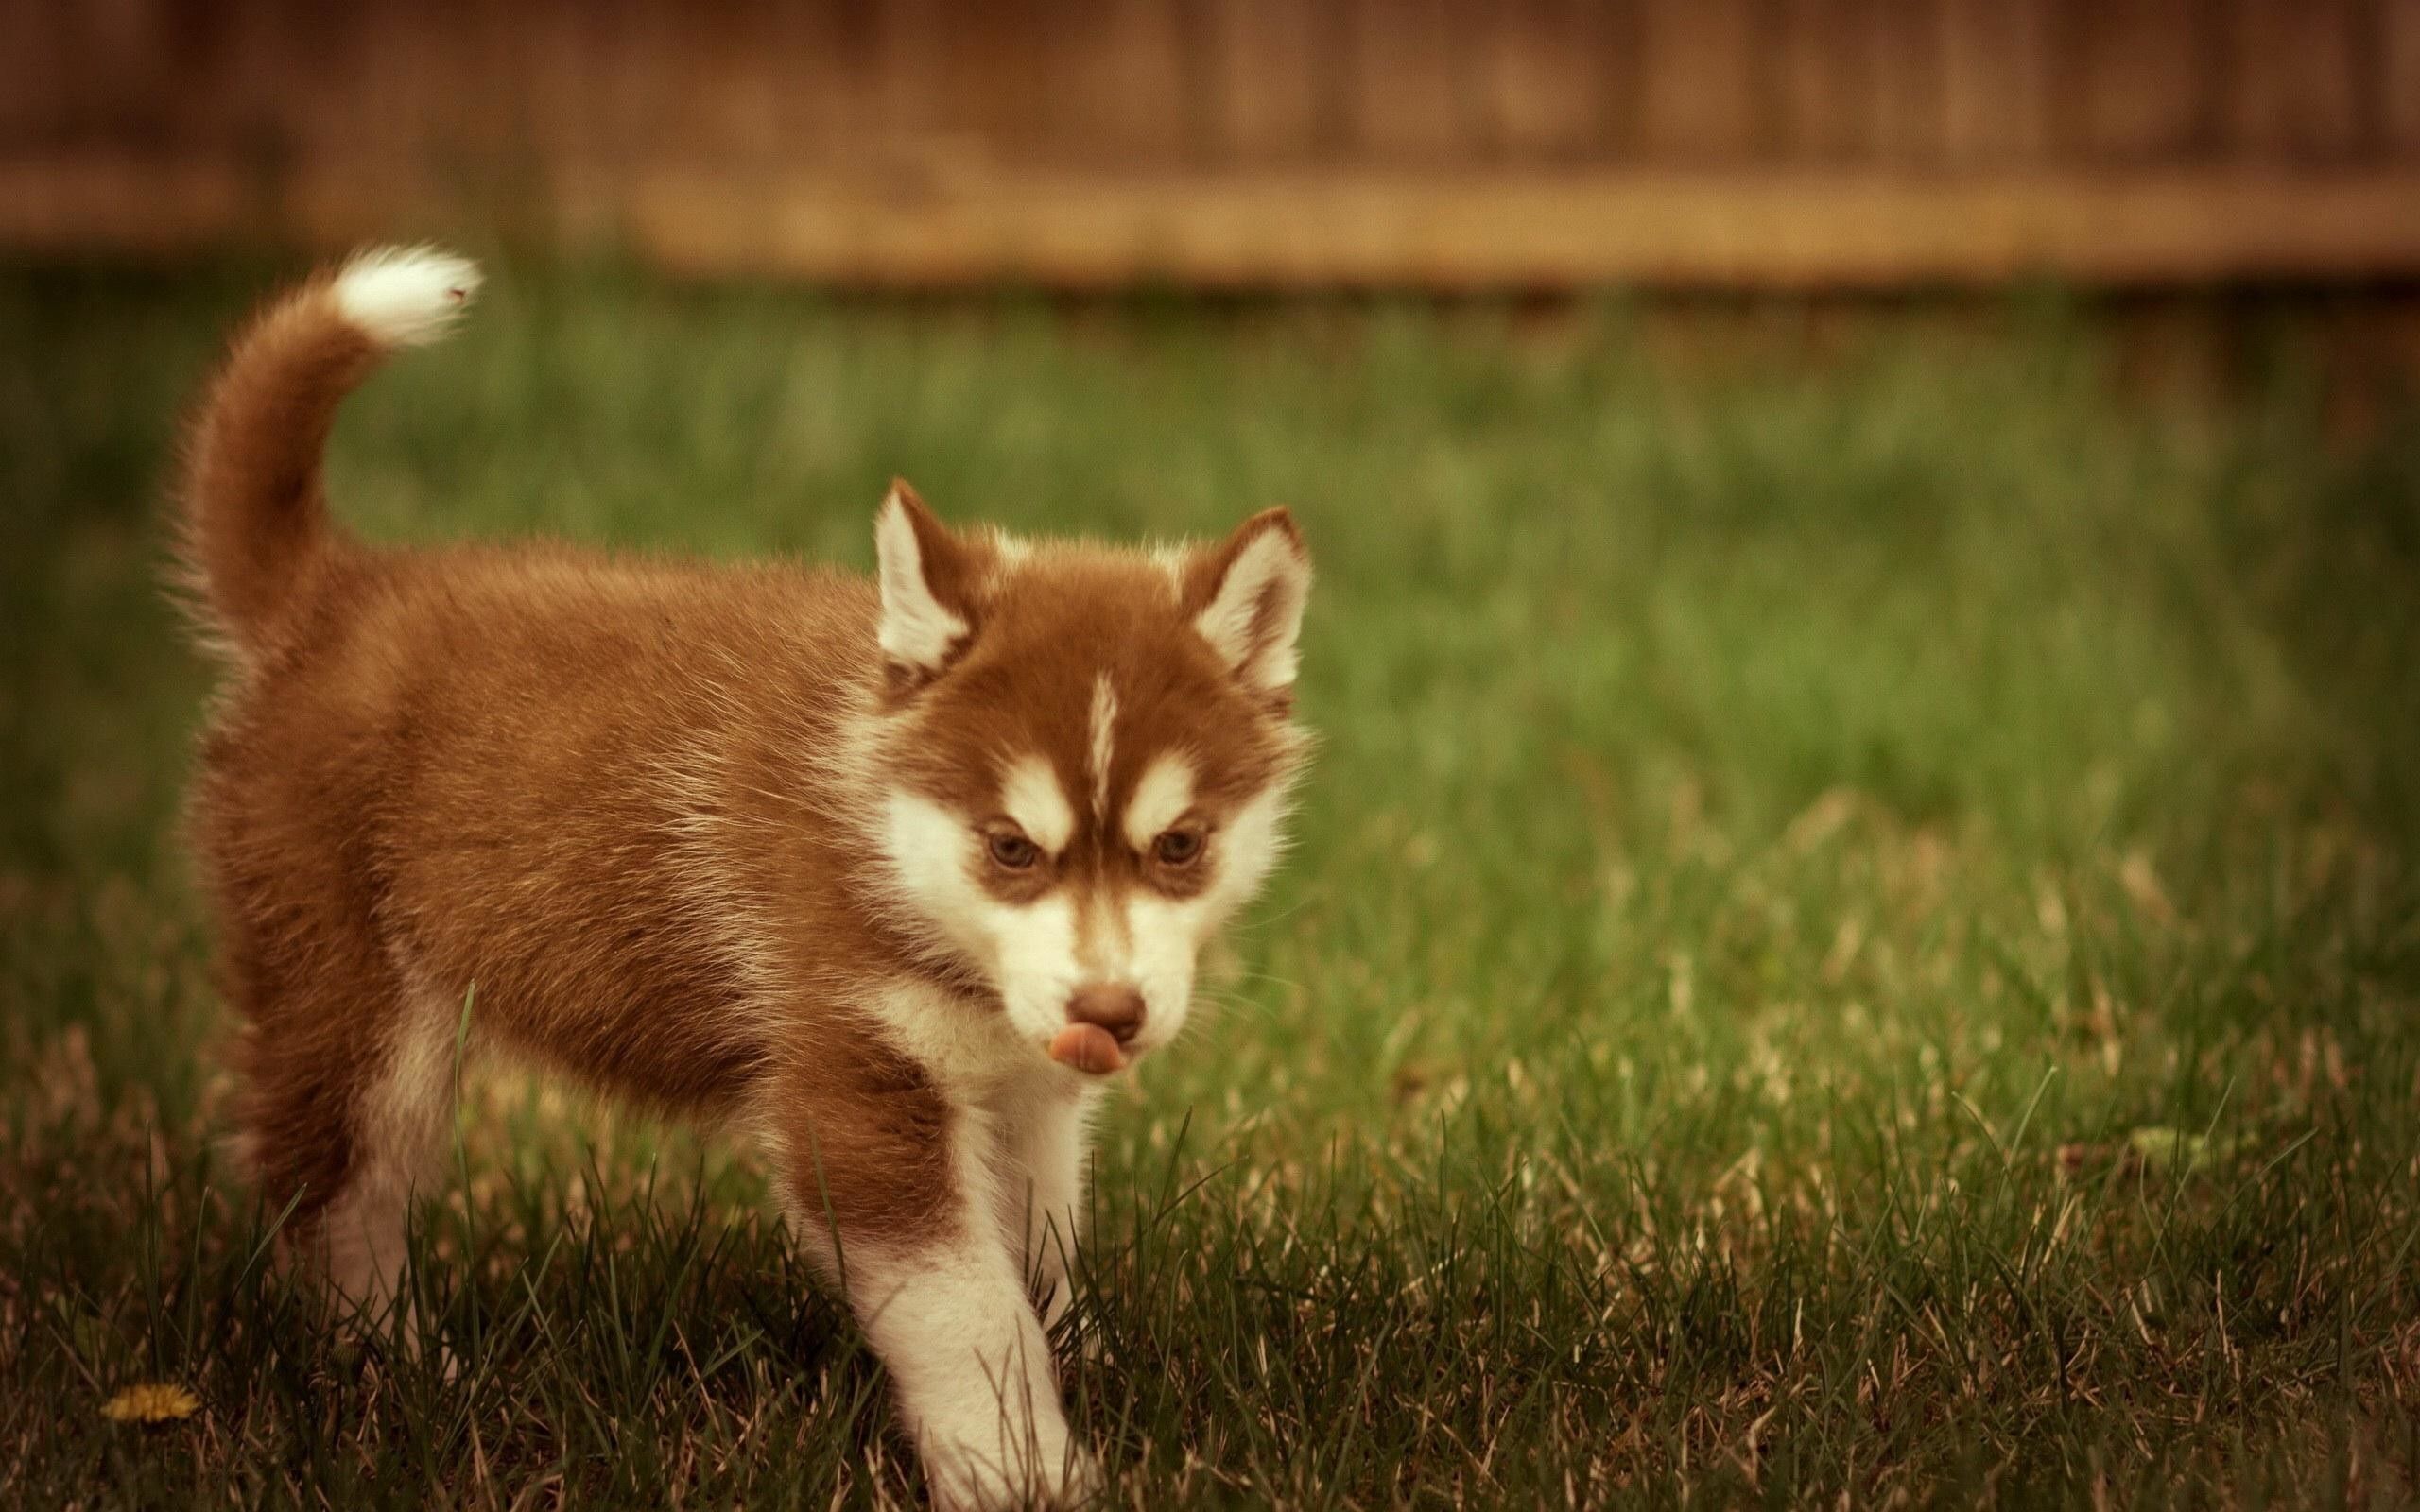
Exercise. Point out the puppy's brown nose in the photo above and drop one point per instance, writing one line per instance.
(1114, 1007)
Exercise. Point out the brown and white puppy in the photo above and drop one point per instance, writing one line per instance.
(890, 875)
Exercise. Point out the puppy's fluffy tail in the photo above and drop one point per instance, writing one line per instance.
(253, 516)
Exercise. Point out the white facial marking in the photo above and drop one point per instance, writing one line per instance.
(1104, 744)
(1163, 936)
(1029, 950)
(1038, 969)
(1247, 846)
(918, 630)
(1032, 795)
(1258, 615)
(1160, 798)
(928, 847)
(1038, 953)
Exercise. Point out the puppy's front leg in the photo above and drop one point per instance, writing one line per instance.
(1041, 1154)
(973, 1364)
(891, 1189)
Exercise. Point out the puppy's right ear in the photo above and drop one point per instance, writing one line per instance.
(927, 579)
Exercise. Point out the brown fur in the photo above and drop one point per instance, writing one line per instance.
(614, 798)
(254, 516)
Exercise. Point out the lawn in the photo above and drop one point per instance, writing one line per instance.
(1854, 937)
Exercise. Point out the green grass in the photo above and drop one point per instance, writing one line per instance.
(1853, 933)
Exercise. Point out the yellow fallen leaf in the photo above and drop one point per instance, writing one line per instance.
(2163, 1149)
(152, 1402)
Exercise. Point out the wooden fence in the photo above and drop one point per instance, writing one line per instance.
(1242, 143)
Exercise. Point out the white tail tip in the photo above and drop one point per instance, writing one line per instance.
(406, 296)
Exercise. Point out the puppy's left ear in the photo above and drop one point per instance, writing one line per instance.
(928, 574)
(1246, 596)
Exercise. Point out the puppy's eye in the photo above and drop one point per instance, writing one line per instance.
(1013, 851)
(1178, 848)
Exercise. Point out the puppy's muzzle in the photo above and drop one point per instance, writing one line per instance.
(1112, 1006)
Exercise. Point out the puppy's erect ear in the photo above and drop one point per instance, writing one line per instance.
(1246, 596)
(928, 580)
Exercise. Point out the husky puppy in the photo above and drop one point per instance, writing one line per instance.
(892, 874)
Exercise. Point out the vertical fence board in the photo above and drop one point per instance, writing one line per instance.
(1119, 89)
(1997, 82)
(907, 73)
(1262, 84)
(820, 59)
(2297, 75)
(1826, 56)
(1542, 79)
(1701, 90)
(727, 82)
(34, 75)
(1408, 91)
(2399, 76)
(377, 115)
(2137, 87)
(996, 79)
(120, 55)
(1909, 106)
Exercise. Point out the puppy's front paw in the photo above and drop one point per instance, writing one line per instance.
(1086, 1480)
(963, 1482)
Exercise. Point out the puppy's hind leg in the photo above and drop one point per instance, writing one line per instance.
(400, 1124)
(348, 1094)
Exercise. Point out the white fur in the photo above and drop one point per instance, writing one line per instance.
(1244, 849)
(406, 296)
(930, 849)
(1029, 951)
(1104, 742)
(1172, 561)
(1032, 795)
(1163, 937)
(1039, 1159)
(971, 1056)
(1160, 800)
(918, 630)
(1038, 953)
(399, 1136)
(953, 1324)
(1271, 569)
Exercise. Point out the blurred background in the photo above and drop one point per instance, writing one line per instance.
(1426, 144)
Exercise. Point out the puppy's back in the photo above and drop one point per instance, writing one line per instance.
(611, 794)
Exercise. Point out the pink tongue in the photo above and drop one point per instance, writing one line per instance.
(1087, 1047)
